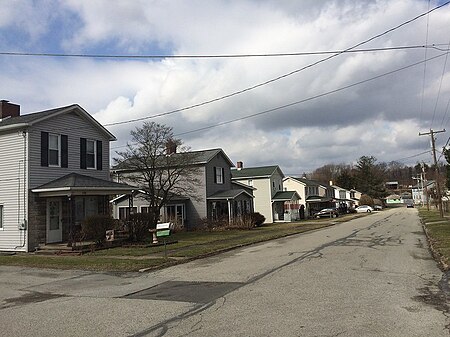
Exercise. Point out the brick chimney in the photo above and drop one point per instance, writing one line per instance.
(8, 109)
(171, 147)
(240, 165)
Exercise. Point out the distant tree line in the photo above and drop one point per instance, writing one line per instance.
(369, 176)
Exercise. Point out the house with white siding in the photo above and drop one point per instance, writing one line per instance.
(315, 196)
(271, 199)
(54, 172)
(215, 197)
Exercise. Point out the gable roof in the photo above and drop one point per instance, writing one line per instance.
(78, 183)
(201, 157)
(255, 172)
(37, 117)
(308, 182)
(229, 194)
(286, 196)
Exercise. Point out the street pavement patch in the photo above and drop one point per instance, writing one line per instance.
(185, 291)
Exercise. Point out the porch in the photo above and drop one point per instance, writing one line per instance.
(61, 205)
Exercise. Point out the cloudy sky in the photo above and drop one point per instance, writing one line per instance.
(298, 111)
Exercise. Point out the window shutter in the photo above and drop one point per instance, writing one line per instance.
(82, 153)
(44, 148)
(215, 175)
(64, 151)
(99, 155)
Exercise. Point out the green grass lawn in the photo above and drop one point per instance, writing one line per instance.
(189, 245)
(439, 232)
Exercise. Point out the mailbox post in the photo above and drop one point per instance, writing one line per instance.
(163, 230)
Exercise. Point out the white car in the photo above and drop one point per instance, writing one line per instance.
(364, 209)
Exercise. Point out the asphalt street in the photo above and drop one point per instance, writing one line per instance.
(371, 276)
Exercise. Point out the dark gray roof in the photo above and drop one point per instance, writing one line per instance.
(309, 182)
(285, 196)
(35, 117)
(75, 180)
(200, 157)
(229, 194)
(255, 172)
(32, 117)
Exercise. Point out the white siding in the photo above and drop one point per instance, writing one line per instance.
(75, 127)
(291, 184)
(13, 195)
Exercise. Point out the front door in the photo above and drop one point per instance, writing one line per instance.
(54, 215)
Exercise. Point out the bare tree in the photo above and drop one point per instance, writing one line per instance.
(152, 163)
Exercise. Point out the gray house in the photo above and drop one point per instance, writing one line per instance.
(217, 198)
(54, 168)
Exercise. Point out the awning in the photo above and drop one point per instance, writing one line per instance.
(286, 196)
(316, 198)
(228, 194)
(77, 184)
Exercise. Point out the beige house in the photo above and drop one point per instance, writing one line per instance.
(271, 199)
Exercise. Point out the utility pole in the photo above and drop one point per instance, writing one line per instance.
(438, 188)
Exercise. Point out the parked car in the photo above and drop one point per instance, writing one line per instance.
(410, 205)
(364, 209)
(377, 207)
(327, 213)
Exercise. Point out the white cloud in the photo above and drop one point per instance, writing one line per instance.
(380, 117)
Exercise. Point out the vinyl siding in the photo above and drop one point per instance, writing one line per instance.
(75, 127)
(294, 185)
(263, 196)
(13, 189)
(211, 186)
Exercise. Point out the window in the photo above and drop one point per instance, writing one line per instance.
(145, 209)
(54, 150)
(124, 212)
(1, 216)
(90, 154)
(218, 175)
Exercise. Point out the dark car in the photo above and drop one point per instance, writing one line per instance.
(327, 213)
(410, 205)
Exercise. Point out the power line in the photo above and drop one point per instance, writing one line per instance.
(281, 76)
(312, 97)
(205, 56)
(303, 100)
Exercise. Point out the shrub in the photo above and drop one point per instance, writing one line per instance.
(366, 200)
(257, 218)
(94, 227)
(138, 226)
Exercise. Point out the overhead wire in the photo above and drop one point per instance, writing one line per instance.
(215, 56)
(312, 97)
(238, 92)
(305, 99)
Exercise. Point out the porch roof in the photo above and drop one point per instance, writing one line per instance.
(317, 198)
(286, 196)
(78, 184)
(229, 194)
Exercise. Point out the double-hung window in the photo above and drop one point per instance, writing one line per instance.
(218, 175)
(54, 150)
(90, 154)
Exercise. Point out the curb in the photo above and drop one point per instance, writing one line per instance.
(441, 260)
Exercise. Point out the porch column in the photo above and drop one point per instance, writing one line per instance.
(71, 220)
(230, 210)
